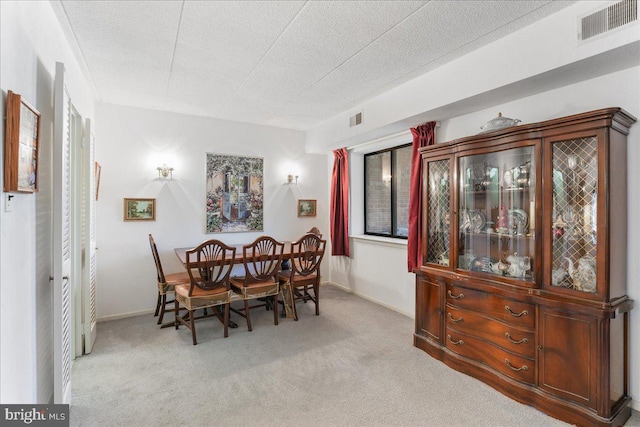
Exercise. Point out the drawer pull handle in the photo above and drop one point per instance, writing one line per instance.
(454, 296)
(522, 368)
(455, 320)
(459, 342)
(522, 341)
(524, 312)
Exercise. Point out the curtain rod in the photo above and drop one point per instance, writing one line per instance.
(384, 138)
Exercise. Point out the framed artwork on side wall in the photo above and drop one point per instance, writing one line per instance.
(21, 146)
(306, 207)
(139, 209)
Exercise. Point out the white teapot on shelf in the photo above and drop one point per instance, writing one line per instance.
(518, 265)
(584, 275)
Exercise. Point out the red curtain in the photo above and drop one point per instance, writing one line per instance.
(423, 136)
(340, 203)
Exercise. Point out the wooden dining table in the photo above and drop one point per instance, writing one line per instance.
(287, 291)
(181, 253)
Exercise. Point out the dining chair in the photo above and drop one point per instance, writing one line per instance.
(209, 267)
(286, 265)
(261, 260)
(304, 274)
(166, 284)
(316, 231)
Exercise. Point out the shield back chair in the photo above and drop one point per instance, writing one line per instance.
(209, 268)
(261, 260)
(166, 284)
(303, 278)
(285, 262)
(316, 231)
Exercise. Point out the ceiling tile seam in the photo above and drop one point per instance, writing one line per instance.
(173, 56)
(82, 60)
(363, 48)
(401, 80)
(241, 85)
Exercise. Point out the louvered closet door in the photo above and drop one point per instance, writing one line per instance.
(89, 244)
(61, 240)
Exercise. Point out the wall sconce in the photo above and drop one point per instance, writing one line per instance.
(290, 179)
(165, 172)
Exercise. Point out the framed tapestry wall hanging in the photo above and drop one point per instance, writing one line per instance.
(234, 193)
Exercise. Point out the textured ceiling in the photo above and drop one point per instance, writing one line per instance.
(291, 64)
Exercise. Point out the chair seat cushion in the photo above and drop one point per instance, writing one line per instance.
(177, 278)
(172, 280)
(183, 290)
(254, 288)
(298, 280)
(201, 298)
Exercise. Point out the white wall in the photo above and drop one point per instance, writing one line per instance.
(31, 41)
(131, 143)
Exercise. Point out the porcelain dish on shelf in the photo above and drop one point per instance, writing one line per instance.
(498, 123)
(472, 220)
(519, 219)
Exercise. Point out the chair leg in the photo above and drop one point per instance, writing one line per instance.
(193, 327)
(275, 308)
(293, 307)
(226, 319)
(157, 305)
(246, 312)
(316, 291)
(163, 305)
(176, 312)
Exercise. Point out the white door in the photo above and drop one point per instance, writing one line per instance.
(61, 240)
(89, 237)
(76, 126)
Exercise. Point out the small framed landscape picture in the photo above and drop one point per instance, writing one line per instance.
(306, 207)
(139, 209)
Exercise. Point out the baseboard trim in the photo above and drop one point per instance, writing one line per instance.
(368, 298)
(125, 315)
(635, 405)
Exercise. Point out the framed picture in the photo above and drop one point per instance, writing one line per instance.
(306, 207)
(139, 209)
(234, 193)
(21, 146)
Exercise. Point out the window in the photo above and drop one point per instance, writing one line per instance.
(386, 175)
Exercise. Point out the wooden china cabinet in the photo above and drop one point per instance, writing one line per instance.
(523, 279)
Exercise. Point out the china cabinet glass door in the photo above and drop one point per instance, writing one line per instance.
(574, 214)
(496, 215)
(438, 197)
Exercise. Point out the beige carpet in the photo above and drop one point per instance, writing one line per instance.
(354, 365)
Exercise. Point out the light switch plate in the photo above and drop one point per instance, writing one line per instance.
(8, 202)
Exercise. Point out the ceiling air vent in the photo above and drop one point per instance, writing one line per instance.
(355, 120)
(607, 19)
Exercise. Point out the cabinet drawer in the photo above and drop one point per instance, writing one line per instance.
(516, 340)
(511, 365)
(507, 310)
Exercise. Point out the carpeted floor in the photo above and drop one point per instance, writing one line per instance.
(354, 365)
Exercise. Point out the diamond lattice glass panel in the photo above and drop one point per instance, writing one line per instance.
(438, 201)
(575, 207)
